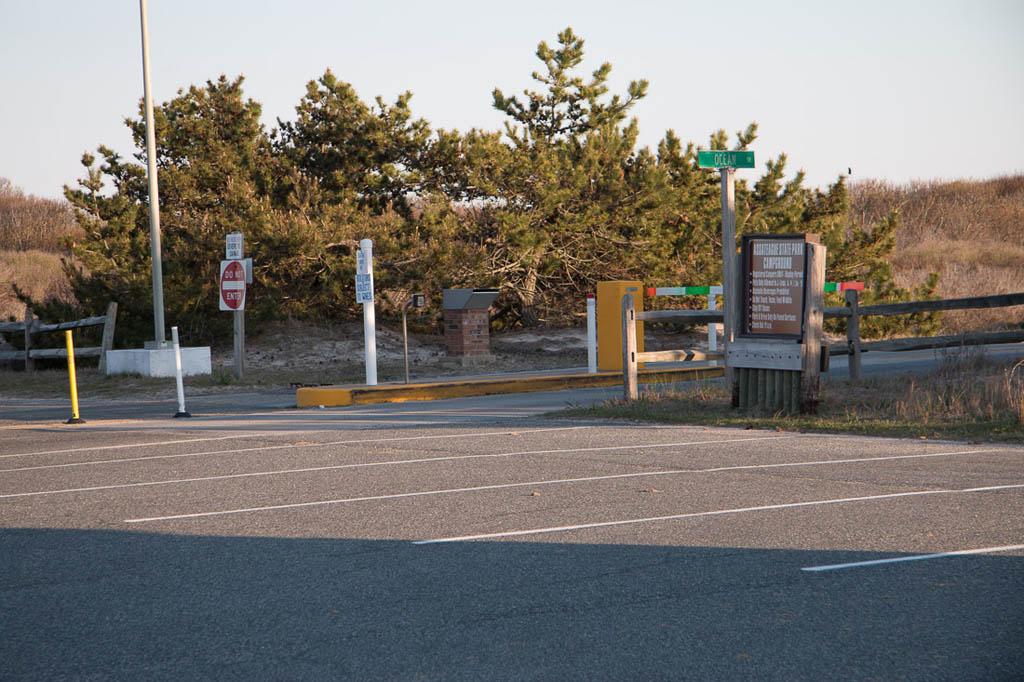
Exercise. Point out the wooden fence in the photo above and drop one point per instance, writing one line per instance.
(853, 347)
(31, 326)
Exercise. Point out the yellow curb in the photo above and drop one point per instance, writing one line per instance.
(340, 396)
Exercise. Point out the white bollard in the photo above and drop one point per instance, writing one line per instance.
(712, 329)
(591, 334)
(177, 375)
(369, 319)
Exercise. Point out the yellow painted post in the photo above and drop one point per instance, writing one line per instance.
(609, 322)
(75, 419)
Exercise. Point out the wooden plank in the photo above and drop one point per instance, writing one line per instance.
(74, 324)
(9, 327)
(677, 356)
(973, 303)
(55, 353)
(51, 353)
(769, 389)
(766, 354)
(681, 316)
(929, 342)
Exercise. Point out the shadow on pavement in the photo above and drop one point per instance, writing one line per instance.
(110, 605)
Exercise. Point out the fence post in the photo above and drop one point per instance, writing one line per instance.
(29, 365)
(853, 333)
(591, 334)
(814, 309)
(108, 335)
(629, 378)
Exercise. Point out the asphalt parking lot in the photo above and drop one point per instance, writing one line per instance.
(472, 539)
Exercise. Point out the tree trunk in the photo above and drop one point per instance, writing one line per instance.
(528, 294)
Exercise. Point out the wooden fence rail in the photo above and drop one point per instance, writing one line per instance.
(31, 326)
(853, 347)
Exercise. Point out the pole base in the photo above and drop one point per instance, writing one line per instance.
(75, 420)
(179, 415)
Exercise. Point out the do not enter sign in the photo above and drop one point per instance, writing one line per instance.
(232, 285)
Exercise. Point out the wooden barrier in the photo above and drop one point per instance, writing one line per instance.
(31, 326)
(853, 347)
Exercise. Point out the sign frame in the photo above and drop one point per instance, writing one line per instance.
(746, 290)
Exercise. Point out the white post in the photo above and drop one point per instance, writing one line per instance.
(591, 334)
(177, 374)
(369, 321)
(712, 328)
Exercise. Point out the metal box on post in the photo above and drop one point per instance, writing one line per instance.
(609, 322)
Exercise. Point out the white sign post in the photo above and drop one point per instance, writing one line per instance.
(364, 295)
(233, 277)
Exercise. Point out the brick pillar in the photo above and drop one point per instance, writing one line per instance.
(466, 332)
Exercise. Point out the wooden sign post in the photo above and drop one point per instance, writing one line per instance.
(777, 349)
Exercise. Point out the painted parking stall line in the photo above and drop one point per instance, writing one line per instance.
(913, 557)
(397, 496)
(450, 458)
(719, 512)
(126, 445)
(269, 448)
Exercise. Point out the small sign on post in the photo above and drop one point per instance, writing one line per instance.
(234, 246)
(724, 159)
(232, 285)
(235, 273)
(364, 288)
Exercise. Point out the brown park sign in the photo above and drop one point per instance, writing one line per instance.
(774, 277)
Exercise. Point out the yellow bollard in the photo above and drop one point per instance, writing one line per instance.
(75, 419)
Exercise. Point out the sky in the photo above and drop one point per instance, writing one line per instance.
(898, 91)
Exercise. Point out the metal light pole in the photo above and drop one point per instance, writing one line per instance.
(160, 336)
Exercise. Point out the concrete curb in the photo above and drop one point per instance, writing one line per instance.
(340, 396)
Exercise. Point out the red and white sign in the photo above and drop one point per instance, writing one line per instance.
(232, 285)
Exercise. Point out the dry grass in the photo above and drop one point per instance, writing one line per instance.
(970, 397)
(37, 273)
(29, 222)
(970, 232)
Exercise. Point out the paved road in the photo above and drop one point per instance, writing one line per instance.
(15, 411)
(470, 539)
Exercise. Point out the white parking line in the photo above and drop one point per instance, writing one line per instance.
(267, 448)
(395, 496)
(720, 512)
(126, 445)
(427, 460)
(915, 557)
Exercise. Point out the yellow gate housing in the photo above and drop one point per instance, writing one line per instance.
(609, 322)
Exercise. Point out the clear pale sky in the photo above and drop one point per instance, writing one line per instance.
(894, 90)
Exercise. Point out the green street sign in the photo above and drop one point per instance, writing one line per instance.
(718, 159)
